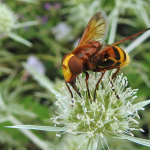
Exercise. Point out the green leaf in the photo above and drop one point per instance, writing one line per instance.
(30, 1)
(41, 79)
(141, 104)
(19, 39)
(136, 140)
(26, 24)
(44, 128)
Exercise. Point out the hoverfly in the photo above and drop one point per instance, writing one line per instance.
(92, 54)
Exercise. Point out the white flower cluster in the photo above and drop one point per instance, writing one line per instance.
(7, 19)
(107, 116)
(91, 121)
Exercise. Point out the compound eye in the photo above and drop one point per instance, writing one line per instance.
(75, 65)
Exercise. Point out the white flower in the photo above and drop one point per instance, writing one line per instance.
(34, 62)
(7, 19)
(106, 116)
(8, 22)
(61, 31)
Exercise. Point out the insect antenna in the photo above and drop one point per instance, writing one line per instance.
(125, 39)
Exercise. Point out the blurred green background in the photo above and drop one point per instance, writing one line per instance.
(40, 33)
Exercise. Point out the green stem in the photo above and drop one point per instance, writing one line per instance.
(24, 57)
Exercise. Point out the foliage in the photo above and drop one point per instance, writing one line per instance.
(35, 31)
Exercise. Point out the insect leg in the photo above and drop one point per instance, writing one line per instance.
(115, 73)
(113, 89)
(78, 79)
(87, 77)
(109, 68)
(72, 83)
(69, 90)
(98, 84)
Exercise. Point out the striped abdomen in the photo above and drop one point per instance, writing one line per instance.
(115, 56)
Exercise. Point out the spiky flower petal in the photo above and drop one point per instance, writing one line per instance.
(7, 19)
(107, 116)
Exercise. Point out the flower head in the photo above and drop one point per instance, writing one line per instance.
(91, 121)
(35, 63)
(61, 31)
(49, 6)
(107, 116)
(7, 19)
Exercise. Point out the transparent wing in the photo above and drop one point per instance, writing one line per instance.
(97, 29)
